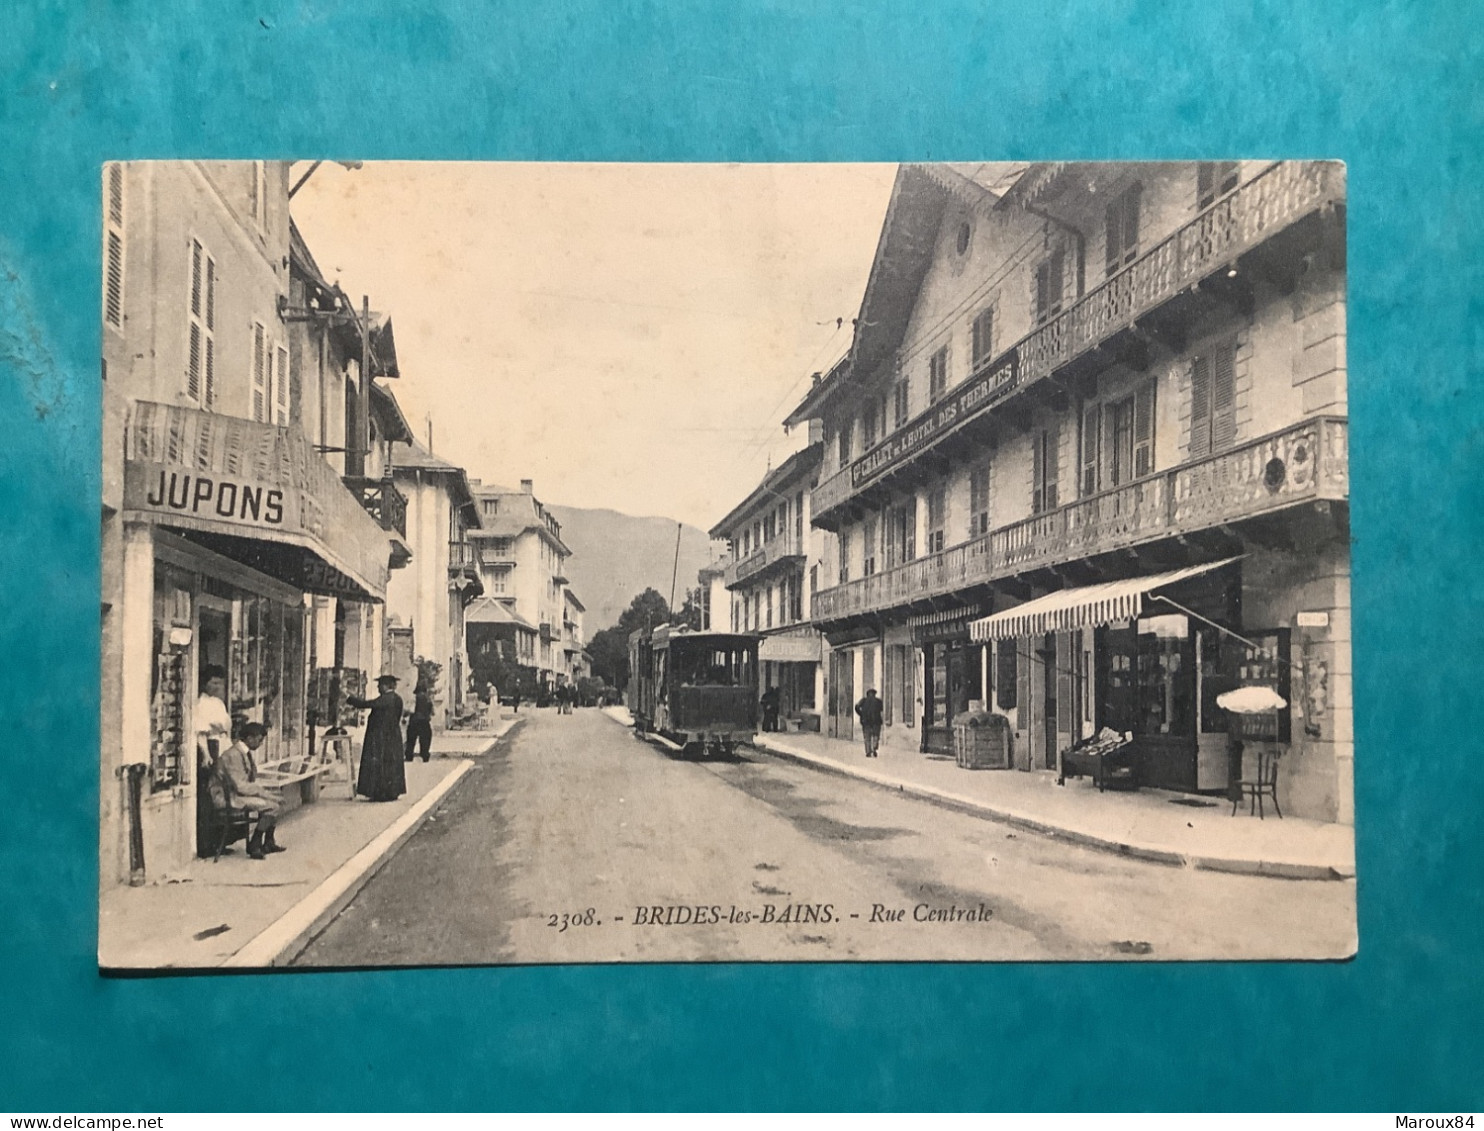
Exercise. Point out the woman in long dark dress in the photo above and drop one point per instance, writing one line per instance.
(382, 777)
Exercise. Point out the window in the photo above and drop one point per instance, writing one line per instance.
(1044, 471)
(979, 501)
(1214, 180)
(113, 246)
(499, 579)
(796, 599)
(1213, 405)
(844, 556)
(1004, 683)
(845, 442)
(937, 375)
(899, 403)
(901, 533)
(937, 507)
(981, 335)
(1122, 227)
(258, 205)
(813, 580)
(1090, 447)
(201, 318)
(260, 363)
(868, 548)
(868, 429)
(491, 507)
(799, 519)
(769, 607)
(1050, 285)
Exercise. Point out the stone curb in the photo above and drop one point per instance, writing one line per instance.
(285, 939)
(1284, 869)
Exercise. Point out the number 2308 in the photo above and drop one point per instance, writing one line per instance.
(585, 918)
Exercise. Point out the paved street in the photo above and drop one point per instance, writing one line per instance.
(572, 837)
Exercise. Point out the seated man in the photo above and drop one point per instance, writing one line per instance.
(238, 766)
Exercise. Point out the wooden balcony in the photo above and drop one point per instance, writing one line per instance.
(785, 547)
(382, 501)
(1274, 200)
(1303, 463)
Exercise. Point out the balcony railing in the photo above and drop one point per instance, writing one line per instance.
(462, 557)
(1307, 461)
(783, 546)
(382, 501)
(1274, 199)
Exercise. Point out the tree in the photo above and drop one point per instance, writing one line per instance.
(610, 647)
(690, 612)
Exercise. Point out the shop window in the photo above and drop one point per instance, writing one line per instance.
(1044, 470)
(1264, 662)
(937, 375)
(1165, 685)
(981, 339)
(1214, 180)
(1122, 230)
(171, 752)
(1213, 405)
(1005, 675)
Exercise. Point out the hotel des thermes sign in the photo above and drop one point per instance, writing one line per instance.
(224, 475)
(953, 409)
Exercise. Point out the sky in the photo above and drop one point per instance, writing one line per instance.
(627, 336)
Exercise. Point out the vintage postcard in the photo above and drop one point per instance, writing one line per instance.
(563, 563)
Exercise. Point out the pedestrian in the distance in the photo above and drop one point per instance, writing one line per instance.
(868, 710)
(420, 725)
(769, 704)
(382, 777)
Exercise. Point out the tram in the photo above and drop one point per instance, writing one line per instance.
(696, 692)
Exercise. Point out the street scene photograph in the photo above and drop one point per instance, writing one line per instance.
(533, 563)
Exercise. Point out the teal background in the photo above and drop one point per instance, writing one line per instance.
(1394, 89)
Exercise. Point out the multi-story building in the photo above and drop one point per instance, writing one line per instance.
(573, 638)
(522, 563)
(430, 596)
(776, 556)
(1087, 464)
(222, 525)
(712, 595)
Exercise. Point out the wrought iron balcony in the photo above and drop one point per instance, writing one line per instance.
(1302, 463)
(382, 501)
(770, 553)
(1272, 201)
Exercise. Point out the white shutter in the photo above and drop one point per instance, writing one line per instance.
(209, 321)
(113, 246)
(281, 386)
(259, 372)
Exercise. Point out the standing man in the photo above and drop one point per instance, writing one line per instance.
(238, 766)
(382, 777)
(770, 709)
(868, 710)
(420, 726)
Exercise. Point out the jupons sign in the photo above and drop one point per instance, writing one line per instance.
(173, 490)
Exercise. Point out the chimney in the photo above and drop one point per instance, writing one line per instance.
(528, 486)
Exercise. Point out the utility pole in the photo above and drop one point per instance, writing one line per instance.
(675, 572)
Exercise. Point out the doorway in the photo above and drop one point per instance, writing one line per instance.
(1047, 655)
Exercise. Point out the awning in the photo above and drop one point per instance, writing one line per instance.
(1087, 607)
(254, 492)
(790, 649)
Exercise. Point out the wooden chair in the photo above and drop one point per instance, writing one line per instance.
(232, 821)
(1261, 783)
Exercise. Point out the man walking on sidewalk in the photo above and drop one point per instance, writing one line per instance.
(868, 710)
(420, 725)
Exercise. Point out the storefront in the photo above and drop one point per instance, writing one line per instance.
(791, 663)
(228, 527)
(1147, 655)
(952, 665)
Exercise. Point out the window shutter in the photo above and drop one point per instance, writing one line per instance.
(210, 293)
(983, 336)
(1144, 430)
(1023, 660)
(1043, 289)
(1205, 183)
(260, 375)
(193, 364)
(116, 195)
(1131, 223)
(210, 373)
(1053, 470)
(1058, 263)
(1064, 717)
(1113, 223)
(281, 386)
(1038, 475)
(1091, 424)
(1223, 397)
(113, 292)
(196, 277)
(1200, 407)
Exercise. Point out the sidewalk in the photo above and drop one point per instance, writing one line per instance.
(253, 913)
(1149, 824)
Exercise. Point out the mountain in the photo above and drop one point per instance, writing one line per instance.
(615, 557)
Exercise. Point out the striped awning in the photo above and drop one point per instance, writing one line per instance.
(1087, 607)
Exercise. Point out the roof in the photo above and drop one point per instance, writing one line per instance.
(488, 610)
(380, 338)
(515, 520)
(819, 393)
(572, 598)
(412, 456)
(388, 413)
(798, 465)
